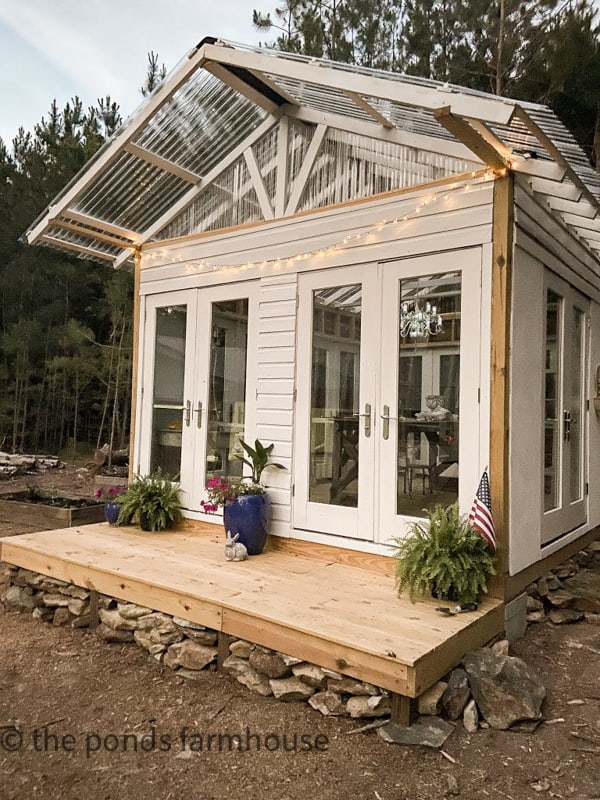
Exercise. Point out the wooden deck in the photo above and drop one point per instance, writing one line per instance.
(338, 615)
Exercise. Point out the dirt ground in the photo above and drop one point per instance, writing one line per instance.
(83, 719)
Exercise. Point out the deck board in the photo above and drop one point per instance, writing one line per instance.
(334, 614)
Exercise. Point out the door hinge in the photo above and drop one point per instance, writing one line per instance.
(293, 489)
(587, 405)
(295, 393)
(479, 395)
(587, 488)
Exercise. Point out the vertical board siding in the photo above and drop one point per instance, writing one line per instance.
(275, 389)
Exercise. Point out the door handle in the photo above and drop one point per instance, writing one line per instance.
(367, 416)
(187, 413)
(567, 419)
(198, 412)
(386, 421)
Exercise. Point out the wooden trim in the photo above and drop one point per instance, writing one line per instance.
(282, 166)
(502, 267)
(305, 169)
(415, 189)
(360, 101)
(241, 87)
(515, 584)
(94, 222)
(379, 565)
(404, 710)
(258, 183)
(77, 248)
(466, 134)
(91, 234)
(135, 356)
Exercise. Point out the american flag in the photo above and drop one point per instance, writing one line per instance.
(481, 512)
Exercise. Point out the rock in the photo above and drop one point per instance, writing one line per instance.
(52, 585)
(78, 607)
(533, 604)
(585, 588)
(328, 703)
(542, 587)
(335, 676)
(452, 789)
(207, 637)
(501, 647)
(471, 717)
(61, 616)
(311, 675)
(536, 616)
(290, 661)
(157, 628)
(368, 706)
(241, 670)
(131, 611)
(189, 655)
(290, 689)
(593, 619)
(241, 649)
(553, 582)
(74, 591)
(564, 616)
(503, 687)
(430, 702)
(187, 623)
(81, 622)
(269, 663)
(190, 674)
(19, 597)
(113, 636)
(352, 686)
(23, 577)
(457, 694)
(565, 572)
(55, 600)
(112, 618)
(560, 598)
(427, 731)
(43, 613)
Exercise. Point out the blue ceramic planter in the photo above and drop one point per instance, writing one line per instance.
(248, 516)
(111, 513)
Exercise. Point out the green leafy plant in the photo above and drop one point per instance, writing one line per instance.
(258, 458)
(152, 500)
(445, 556)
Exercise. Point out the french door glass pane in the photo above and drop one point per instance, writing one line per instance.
(167, 397)
(576, 402)
(552, 404)
(428, 385)
(226, 387)
(335, 395)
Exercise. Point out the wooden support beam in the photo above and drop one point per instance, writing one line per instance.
(240, 86)
(100, 224)
(404, 710)
(162, 163)
(94, 609)
(360, 101)
(62, 244)
(223, 642)
(305, 169)
(466, 134)
(258, 183)
(282, 166)
(100, 237)
(502, 268)
(135, 362)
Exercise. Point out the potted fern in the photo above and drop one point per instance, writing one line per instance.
(445, 557)
(152, 500)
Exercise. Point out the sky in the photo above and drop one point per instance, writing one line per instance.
(90, 48)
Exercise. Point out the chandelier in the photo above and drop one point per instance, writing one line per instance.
(417, 322)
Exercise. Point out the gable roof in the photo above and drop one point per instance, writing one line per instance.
(223, 99)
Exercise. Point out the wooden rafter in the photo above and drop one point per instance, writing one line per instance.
(360, 101)
(240, 86)
(581, 209)
(77, 248)
(563, 189)
(466, 133)
(162, 163)
(100, 224)
(100, 237)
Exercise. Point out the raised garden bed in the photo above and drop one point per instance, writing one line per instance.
(52, 511)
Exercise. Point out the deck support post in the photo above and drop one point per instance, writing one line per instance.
(94, 616)
(223, 642)
(404, 710)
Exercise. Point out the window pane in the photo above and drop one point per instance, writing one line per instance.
(335, 396)
(167, 397)
(552, 378)
(227, 387)
(428, 387)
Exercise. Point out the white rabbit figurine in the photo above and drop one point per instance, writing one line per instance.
(234, 550)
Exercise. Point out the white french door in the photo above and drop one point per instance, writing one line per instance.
(564, 418)
(199, 381)
(379, 399)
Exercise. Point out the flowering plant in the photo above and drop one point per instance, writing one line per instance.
(221, 491)
(110, 494)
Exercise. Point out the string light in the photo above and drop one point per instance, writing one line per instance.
(443, 196)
